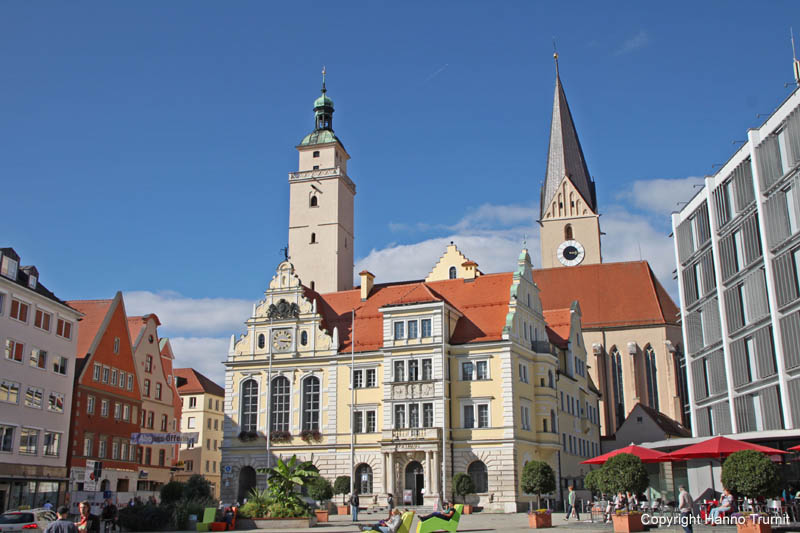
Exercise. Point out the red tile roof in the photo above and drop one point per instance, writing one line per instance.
(559, 322)
(137, 323)
(95, 312)
(610, 294)
(483, 302)
(193, 382)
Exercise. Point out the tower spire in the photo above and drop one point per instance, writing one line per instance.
(795, 62)
(324, 90)
(323, 108)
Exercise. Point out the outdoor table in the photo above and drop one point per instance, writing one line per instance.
(705, 508)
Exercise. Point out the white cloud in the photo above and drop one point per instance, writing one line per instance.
(492, 216)
(204, 354)
(661, 196)
(183, 315)
(636, 42)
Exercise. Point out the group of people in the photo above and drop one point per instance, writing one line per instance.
(395, 519)
(87, 522)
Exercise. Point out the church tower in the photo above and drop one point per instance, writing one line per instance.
(321, 198)
(570, 225)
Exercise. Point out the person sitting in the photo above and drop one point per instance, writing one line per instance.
(390, 525)
(620, 502)
(446, 515)
(725, 504)
(227, 517)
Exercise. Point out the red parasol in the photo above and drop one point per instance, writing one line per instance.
(645, 454)
(717, 448)
(795, 448)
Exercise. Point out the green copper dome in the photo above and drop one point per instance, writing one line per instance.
(319, 137)
(323, 101)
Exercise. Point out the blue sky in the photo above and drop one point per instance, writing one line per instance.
(145, 146)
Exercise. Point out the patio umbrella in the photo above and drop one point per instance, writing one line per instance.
(645, 454)
(718, 448)
(795, 448)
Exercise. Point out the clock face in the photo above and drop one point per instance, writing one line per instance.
(570, 253)
(281, 340)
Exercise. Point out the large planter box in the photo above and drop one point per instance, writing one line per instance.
(625, 523)
(322, 516)
(284, 523)
(342, 509)
(540, 520)
(753, 527)
(467, 509)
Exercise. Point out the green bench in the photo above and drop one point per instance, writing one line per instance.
(405, 527)
(437, 524)
(209, 516)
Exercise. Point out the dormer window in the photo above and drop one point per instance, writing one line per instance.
(316, 167)
(313, 202)
(9, 268)
(32, 282)
(316, 153)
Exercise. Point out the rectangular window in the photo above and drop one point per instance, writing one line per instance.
(210, 404)
(427, 415)
(399, 330)
(426, 327)
(19, 311)
(130, 381)
(370, 419)
(38, 358)
(483, 415)
(427, 369)
(114, 375)
(399, 371)
(64, 328)
(97, 370)
(358, 379)
(126, 412)
(358, 420)
(103, 407)
(148, 364)
(523, 373)
(399, 416)
(60, 365)
(372, 380)
(117, 410)
(52, 442)
(6, 439)
(14, 350)
(482, 368)
(115, 450)
(121, 379)
(147, 388)
(90, 405)
(132, 452)
(469, 416)
(192, 422)
(150, 419)
(34, 397)
(158, 391)
(216, 424)
(106, 374)
(55, 402)
(208, 423)
(467, 369)
(123, 455)
(29, 441)
(413, 415)
(192, 402)
(216, 403)
(412, 329)
(101, 448)
(42, 320)
(87, 446)
(525, 417)
(413, 370)
(9, 268)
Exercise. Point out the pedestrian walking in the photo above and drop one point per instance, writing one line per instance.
(354, 505)
(571, 499)
(685, 507)
(63, 524)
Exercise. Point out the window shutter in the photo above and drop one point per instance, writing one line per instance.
(777, 219)
(739, 363)
(769, 162)
(712, 324)
(755, 288)
(765, 352)
(733, 309)
(743, 185)
(793, 388)
(786, 289)
(790, 337)
(771, 408)
(727, 252)
(722, 418)
(717, 374)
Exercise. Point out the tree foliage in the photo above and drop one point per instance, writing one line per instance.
(622, 473)
(197, 488)
(750, 474)
(538, 478)
(341, 486)
(320, 489)
(463, 485)
(172, 492)
(592, 481)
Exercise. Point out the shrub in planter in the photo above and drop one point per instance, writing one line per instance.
(197, 488)
(622, 473)
(540, 518)
(144, 517)
(537, 478)
(342, 486)
(322, 491)
(751, 474)
(463, 486)
(257, 505)
(183, 508)
(172, 492)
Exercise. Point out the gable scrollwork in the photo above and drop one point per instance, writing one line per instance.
(283, 309)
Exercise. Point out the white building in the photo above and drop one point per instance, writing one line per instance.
(38, 333)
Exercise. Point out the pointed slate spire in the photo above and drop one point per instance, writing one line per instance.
(565, 156)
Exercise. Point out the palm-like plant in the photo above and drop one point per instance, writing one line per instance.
(282, 480)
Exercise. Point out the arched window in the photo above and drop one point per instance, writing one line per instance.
(568, 232)
(553, 421)
(311, 403)
(313, 202)
(279, 405)
(303, 338)
(363, 479)
(453, 273)
(313, 238)
(550, 381)
(261, 341)
(616, 384)
(480, 476)
(651, 376)
(249, 412)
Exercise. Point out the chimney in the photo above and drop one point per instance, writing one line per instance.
(471, 270)
(367, 279)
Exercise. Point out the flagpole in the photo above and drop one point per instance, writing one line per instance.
(352, 403)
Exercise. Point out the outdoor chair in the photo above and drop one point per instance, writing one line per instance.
(438, 524)
(209, 515)
(405, 527)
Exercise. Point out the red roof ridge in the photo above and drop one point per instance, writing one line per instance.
(595, 265)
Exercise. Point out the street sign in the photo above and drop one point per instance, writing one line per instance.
(168, 439)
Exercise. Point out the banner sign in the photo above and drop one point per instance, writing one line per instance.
(164, 438)
(89, 480)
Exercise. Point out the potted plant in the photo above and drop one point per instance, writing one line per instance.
(463, 486)
(537, 478)
(751, 474)
(280, 505)
(322, 491)
(342, 486)
(623, 473)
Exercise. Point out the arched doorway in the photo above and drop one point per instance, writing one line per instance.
(415, 482)
(247, 482)
(105, 485)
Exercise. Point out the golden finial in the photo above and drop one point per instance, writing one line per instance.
(323, 78)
